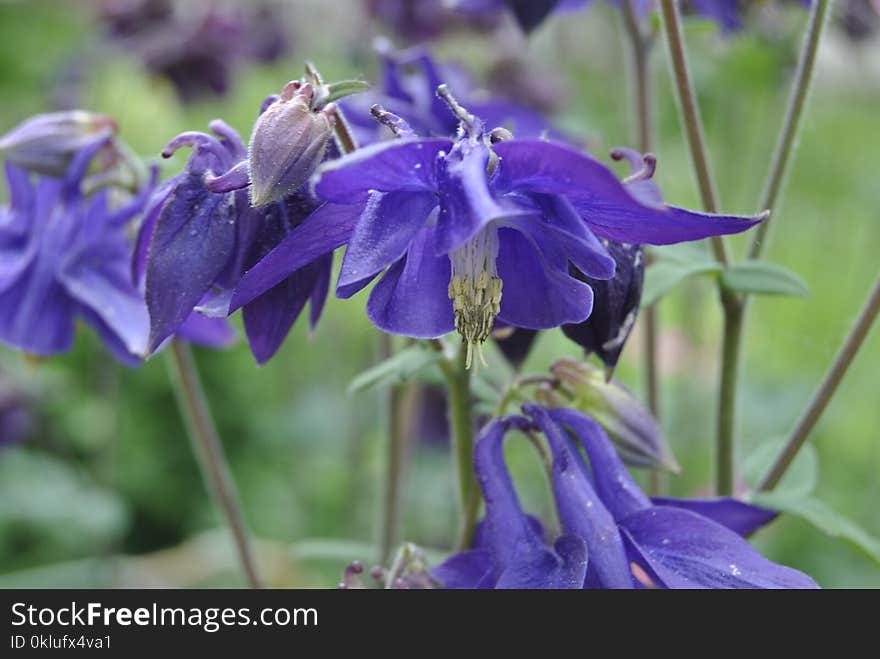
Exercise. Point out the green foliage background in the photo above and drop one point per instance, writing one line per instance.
(106, 492)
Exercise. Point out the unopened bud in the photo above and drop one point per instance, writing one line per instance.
(46, 143)
(615, 306)
(636, 435)
(288, 143)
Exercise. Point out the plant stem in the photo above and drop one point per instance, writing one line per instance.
(690, 116)
(209, 451)
(726, 429)
(461, 424)
(640, 46)
(735, 308)
(400, 404)
(787, 138)
(826, 390)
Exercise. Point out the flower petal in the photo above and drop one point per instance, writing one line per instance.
(466, 569)
(322, 232)
(208, 332)
(685, 550)
(101, 283)
(600, 199)
(466, 203)
(193, 240)
(384, 167)
(581, 511)
(738, 516)
(269, 317)
(536, 295)
(616, 487)
(382, 235)
(412, 297)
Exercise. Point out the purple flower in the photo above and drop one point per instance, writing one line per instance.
(65, 256)
(529, 14)
(509, 549)
(447, 223)
(196, 45)
(409, 80)
(47, 143)
(683, 545)
(200, 234)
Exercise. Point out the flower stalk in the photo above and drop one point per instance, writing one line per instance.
(208, 450)
(641, 44)
(458, 384)
(791, 125)
(825, 392)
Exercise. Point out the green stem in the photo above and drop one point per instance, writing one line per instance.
(730, 362)
(826, 390)
(209, 451)
(791, 125)
(640, 46)
(461, 423)
(690, 117)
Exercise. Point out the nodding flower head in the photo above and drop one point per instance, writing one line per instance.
(47, 143)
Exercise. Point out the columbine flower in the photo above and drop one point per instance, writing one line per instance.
(529, 14)
(509, 549)
(683, 545)
(47, 143)
(454, 221)
(195, 45)
(409, 80)
(201, 234)
(63, 256)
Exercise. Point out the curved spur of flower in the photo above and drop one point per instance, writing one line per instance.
(450, 222)
(677, 545)
(529, 14)
(64, 256)
(510, 551)
(201, 234)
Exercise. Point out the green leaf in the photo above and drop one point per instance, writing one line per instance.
(664, 275)
(762, 278)
(797, 484)
(828, 521)
(345, 88)
(400, 367)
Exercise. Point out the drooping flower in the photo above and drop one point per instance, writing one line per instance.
(409, 80)
(450, 222)
(529, 14)
(676, 546)
(65, 256)
(196, 45)
(509, 549)
(420, 20)
(202, 233)
(47, 143)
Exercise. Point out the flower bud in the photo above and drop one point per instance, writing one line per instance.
(47, 143)
(288, 143)
(615, 306)
(629, 424)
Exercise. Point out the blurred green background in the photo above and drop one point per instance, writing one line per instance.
(104, 491)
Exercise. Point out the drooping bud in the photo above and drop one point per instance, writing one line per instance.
(46, 143)
(615, 305)
(629, 424)
(288, 143)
